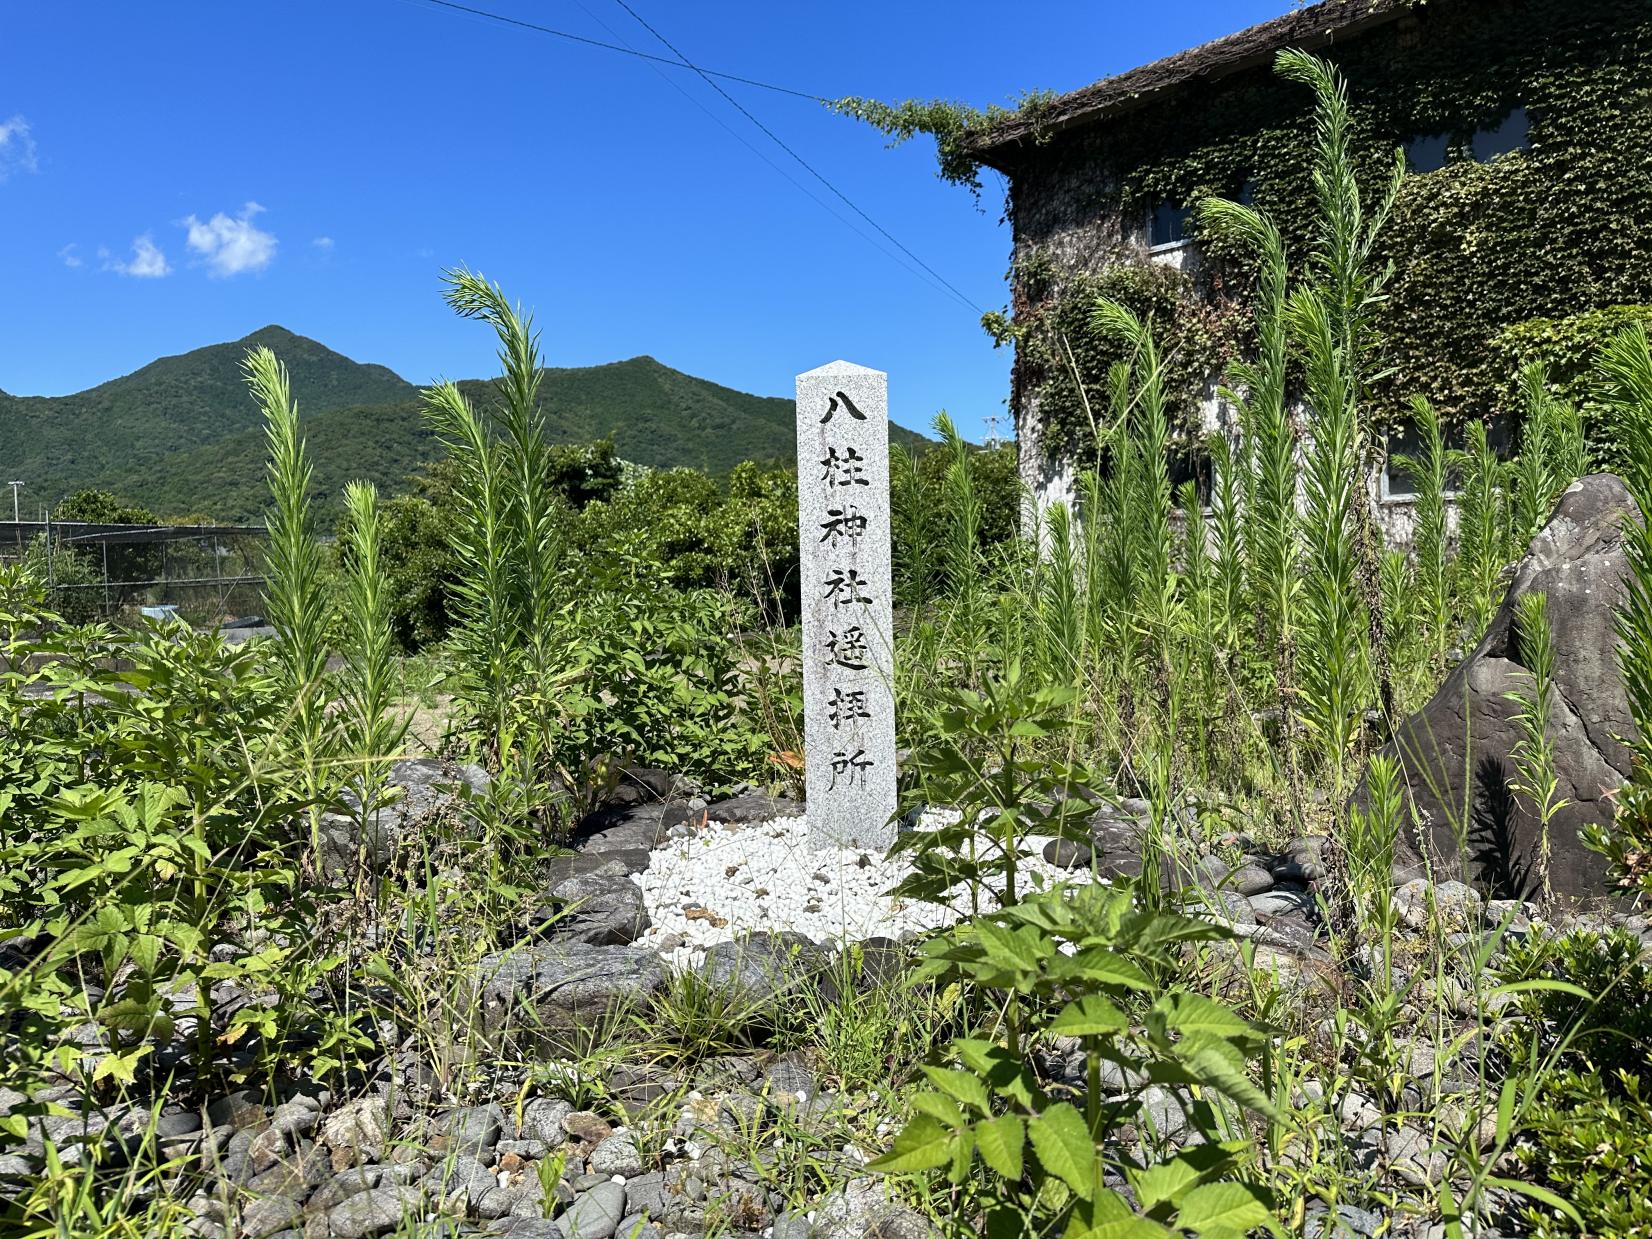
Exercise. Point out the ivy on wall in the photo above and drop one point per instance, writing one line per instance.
(1483, 252)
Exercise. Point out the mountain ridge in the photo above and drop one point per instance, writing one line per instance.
(181, 435)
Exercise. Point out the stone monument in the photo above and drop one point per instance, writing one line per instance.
(848, 615)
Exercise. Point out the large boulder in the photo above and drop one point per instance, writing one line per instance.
(553, 986)
(420, 791)
(1454, 752)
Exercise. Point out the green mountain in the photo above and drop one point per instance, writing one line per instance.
(182, 435)
(136, 423)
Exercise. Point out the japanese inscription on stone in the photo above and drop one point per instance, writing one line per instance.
(848, 663)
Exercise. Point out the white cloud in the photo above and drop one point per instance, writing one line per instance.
(231, 246)
(69, 257)
(147, 261)
(323, 243)
(17, 149)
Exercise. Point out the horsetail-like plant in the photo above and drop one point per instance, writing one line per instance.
(1349, 284)
(1227, 531)
(1333, 664)
(961, 537)
(1060, 628)
(1533, 754)
(1483, 523)
(1145, 469)
(532, 504)
(1267, 458)
(482, 602)
(295, 592)
(371, 733)
(1430, 472)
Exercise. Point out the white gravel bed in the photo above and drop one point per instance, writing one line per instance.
(724, 881)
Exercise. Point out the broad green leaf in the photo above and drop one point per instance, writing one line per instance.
(1062, 1143)
(1000, 1141)
(923, 1144)
(1217, 1064)
(1101, 966)
(1191, 1013)
(1109, 1216)
(941, 1108)
(1169, 1180)
(1233, 1207)
(1090, 1016)
(961, 1086)
(1505, 1112)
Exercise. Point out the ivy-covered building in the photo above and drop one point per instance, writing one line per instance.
(1523, 231)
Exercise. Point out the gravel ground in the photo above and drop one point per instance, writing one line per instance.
(725, 880)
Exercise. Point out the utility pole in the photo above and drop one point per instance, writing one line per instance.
(991, 420)
(15, 487)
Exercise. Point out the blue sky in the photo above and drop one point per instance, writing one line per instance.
(181, 173)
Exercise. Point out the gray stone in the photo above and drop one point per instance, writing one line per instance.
(595, 1214)
(1455, 750)
(1250, 880)
(542, 1120)
(526, 1228)
(848, 616)
(1282, 901)
(350, 1182)
(616, 1155)
(459, 1180)
(567, 984)
(373, 1212)
(645, 1193)
(638, 1227)
(792, 1225)
(474, 1130)
(268, 1215)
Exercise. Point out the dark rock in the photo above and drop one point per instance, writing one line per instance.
(604, 908)
(1068, 854)
(751, 807)
(764, 968)
(567, 984)
(1466, 731)
(627, 828)
(1119, 844)
(638, 1227)
(268, 1215)
(240, 1109)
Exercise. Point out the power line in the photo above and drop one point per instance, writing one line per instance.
(624, 51)
(809, 168)
(779, 171)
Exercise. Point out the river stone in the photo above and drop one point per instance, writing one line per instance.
(567, 984)
(374, 1212)
(595, 1214)
(1466, 731)
(616, 1155)
(763, 968)
(1250, 880)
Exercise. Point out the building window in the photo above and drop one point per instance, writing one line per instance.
(1247, 192)
(1427, 152)
(1512, 133)
(1398, 486)
(1167, 225)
